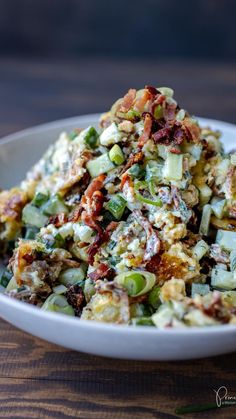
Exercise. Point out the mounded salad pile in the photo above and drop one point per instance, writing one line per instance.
(132, 223)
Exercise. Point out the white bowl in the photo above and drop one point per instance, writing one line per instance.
(17, 154)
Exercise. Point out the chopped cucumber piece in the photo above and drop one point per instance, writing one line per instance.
(83, 233)
(218, 206)
(154, 171)
(72, 276)
(32, 216)
(205, 221)
(55, 205)
(59, 304)
(223, 279)
(173, 168)
(31, 232)
(204, 194)
(166, 91)
(136, 171)
(89, 289)
(79, 252)
(226, 239)
(116, 206)
(233, 159)
(199, 289)
(111, 135)
(116, 155)
(99, 165)
(200, 249)
(233, 260)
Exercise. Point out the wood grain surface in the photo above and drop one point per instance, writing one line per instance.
(41, 380)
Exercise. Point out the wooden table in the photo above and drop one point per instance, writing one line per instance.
(40, 380)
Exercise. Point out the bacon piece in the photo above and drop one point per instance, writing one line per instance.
(58, 220)
(169, 111)
(153, 243)
(95, 185)
(142, 100)
(127, 101)
(75, 297)
(162, 136)
(146, 130)
(103, 271)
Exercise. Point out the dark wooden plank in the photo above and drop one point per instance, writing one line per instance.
(38, 379)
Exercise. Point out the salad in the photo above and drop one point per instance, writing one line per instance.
(132, 223)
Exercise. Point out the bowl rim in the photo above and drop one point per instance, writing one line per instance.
(119, 328)
(91, 324)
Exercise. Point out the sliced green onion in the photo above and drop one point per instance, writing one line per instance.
(32, 215)
(136, 282)
(222, 279)
(39, 199)
(218, 206)
(205, 221)
(140, 185)
(5, 278)
(90, 136)
(199, 289)
(154, 297)
(116, 155)
(226, 239)
(200, 249)
(116, 206)
(158, 112)
(136, 171)
(55, 205)
(59, 289)
(142, 321)
(59, 304)
(173, 168)
(99, 165)
(72, 276)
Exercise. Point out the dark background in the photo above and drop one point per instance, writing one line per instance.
(61, 58)
(125, 28)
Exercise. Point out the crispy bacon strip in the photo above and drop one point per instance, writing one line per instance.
(147, 128)
(95, 185)
(142, 100)
(153, 243)
(103, 271)
(127, 101)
